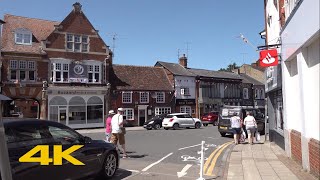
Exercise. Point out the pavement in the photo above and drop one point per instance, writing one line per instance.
(102, 130)
(263, 161)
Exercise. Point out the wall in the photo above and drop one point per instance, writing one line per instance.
(255, 73)
(188, 82)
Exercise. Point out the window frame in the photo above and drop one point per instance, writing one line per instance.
(62, 70)
(158, 97)
(74, 42)
(141, 94)
(125, 113)
(20, 66)
(24, 33)
(245, 95)
(126, 92)
(185, 91)
(183, 109)
(164, 110)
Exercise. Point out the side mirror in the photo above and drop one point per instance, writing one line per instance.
(87, 140)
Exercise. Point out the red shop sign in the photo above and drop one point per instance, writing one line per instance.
(268, 58)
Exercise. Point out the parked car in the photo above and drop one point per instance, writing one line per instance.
(210, 118)
(155, 122)
(180, 120)
(100, 158)
(224, 125)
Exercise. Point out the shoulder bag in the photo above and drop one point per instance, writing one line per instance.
(123, 129)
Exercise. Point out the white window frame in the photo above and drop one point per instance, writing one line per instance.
(125, 113)
(186, 109)
(162, 110)
(54, 69)
(123, 97)
(92, 69)
(245, 93)
(22, 65)
(161, 97)
(185, 91)
(73, 41)
(24, 33)
(144, 97)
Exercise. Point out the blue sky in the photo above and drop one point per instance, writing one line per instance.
(152, 30)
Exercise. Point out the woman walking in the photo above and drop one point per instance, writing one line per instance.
(236, 127)
(251, 125)
(108, 125)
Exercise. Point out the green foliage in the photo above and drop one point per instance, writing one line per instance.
(230, 67)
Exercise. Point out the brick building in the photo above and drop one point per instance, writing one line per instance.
(142, 91)
(56, 70)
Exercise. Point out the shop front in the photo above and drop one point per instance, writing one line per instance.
(78, 107)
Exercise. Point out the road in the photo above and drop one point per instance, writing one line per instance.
(169, 154)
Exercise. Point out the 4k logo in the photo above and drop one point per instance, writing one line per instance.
(58, 155)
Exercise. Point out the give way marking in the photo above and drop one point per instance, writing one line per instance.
(183, 172)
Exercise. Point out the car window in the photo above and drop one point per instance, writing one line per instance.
(187, 116)
(181, 116)
(64, 135)
(170, 116)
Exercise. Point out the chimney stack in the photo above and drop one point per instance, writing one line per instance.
(77, 7)
(183, 61)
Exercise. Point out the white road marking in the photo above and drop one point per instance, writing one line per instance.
(183, 172)
(189, 147)
(148, 167)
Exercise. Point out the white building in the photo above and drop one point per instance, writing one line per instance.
(300, 78)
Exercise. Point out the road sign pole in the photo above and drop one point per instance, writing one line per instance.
(202, 161)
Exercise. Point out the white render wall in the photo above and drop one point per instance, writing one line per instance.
(185, 82)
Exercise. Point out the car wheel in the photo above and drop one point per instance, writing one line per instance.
(198, 125)
(175, 126)
(223, 134)
(205, 124)
(215, 123)
(149, 128)
(166, 128)
(157, 126)
(110, 165)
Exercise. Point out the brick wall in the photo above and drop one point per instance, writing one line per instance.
(296, 152)
(314, 157)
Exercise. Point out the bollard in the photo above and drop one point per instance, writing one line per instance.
(202, 161)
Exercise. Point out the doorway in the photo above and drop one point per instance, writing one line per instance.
(142, 116)
(63, 115)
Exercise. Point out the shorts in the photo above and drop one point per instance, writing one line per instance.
(115, 137)
(251, 130)
(236, 130)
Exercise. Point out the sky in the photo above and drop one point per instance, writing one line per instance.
(147, 31)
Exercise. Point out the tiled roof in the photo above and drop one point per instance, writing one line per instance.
(40, 29)
(214, 74)
(127, 77)
(174, 68)
(248, 79)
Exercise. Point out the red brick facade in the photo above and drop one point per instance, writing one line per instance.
(296, 146)
(314, 157)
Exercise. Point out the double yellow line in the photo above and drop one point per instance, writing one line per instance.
(208, 170)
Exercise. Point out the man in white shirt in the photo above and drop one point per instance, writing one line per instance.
(117, 134)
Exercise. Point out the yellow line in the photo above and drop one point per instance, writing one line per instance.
(211, 156)
(210, 170)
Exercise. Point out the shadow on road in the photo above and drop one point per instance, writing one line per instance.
(120, 174)
(137, 156)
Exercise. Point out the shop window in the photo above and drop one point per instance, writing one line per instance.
(185, 109)
(22, 70)
(128, 114)
(144, 97)
(245, 93)
(162, 110)
(160, 97)
(126, 97)
(95, 110)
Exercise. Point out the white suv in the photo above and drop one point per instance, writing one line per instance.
(180, 120)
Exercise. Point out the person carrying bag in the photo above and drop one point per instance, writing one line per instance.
(118, 131)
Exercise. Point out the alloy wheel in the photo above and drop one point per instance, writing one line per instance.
(110, 165)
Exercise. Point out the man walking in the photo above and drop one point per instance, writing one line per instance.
(118, 131)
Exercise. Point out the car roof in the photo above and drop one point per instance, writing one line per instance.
(25, 121)
(178, 114)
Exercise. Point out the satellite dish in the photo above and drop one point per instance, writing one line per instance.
(154, 95)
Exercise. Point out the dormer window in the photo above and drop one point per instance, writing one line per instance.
(77, 43)
(23, 36)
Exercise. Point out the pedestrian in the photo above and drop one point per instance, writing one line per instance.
(251, 125)
(236, 127)
(118, 131)
(108, 125)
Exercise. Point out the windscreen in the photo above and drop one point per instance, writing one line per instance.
(229, 112)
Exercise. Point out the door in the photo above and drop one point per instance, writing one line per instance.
(62, 115)
(142, 116)
(189, 121)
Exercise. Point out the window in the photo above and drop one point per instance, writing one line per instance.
(144, 97)
(77, 43)
(128, 114)
(94, 73)
(22, 70)
(64, 136)
(160, 97)
(60, 72)
(245, 93)
(185, 109)
(23, 36)
(185, 92)
(126, 97)
(162, 110)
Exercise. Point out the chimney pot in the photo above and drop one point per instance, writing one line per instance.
(77, 7)
(183, 61)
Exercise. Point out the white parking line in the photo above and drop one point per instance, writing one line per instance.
(189, 147)
(148, 167)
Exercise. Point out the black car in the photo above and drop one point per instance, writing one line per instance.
(155, 122)
(100, 158)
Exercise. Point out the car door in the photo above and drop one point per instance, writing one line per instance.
(190, 122)
(88, 154)
(21, 139)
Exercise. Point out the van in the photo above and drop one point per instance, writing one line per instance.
(226, 112)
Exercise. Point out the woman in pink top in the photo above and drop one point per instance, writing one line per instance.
(108, 125)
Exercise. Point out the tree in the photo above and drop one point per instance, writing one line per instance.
(230, 67)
